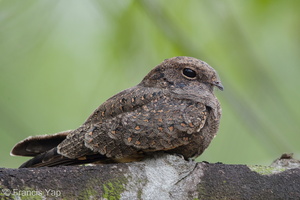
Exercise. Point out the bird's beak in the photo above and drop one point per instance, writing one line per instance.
(219, 85)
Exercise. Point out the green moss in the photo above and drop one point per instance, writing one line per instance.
(139, 194)
(266, 170)
(112, 190)
(88, 193)
(31, 197)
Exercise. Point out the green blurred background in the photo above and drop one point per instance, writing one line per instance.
(60, 59)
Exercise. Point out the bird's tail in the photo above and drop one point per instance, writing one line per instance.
(44, 150)
(51, 159)
(33, 146)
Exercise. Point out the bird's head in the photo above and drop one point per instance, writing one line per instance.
(183, 73)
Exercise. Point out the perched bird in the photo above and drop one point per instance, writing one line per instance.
(172, 110)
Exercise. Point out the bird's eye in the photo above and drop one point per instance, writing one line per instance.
(189, 73)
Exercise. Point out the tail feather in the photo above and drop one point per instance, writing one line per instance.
(33, 146)
(51, 159)
(43, 149)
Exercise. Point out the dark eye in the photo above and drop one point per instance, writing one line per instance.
(189, 73)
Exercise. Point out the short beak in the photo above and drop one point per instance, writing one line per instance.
(219, 85)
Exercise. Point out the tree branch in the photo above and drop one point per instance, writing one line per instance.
(162, 177)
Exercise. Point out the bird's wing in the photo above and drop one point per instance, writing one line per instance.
(126, 101)
(67, 148)
(161, 124)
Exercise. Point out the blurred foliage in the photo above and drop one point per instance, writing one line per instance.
(60, 59)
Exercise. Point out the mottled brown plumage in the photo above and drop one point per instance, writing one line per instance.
(172, 110)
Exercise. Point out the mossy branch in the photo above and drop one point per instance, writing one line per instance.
(162, 177)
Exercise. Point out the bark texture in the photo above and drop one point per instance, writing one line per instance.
(161, 177)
